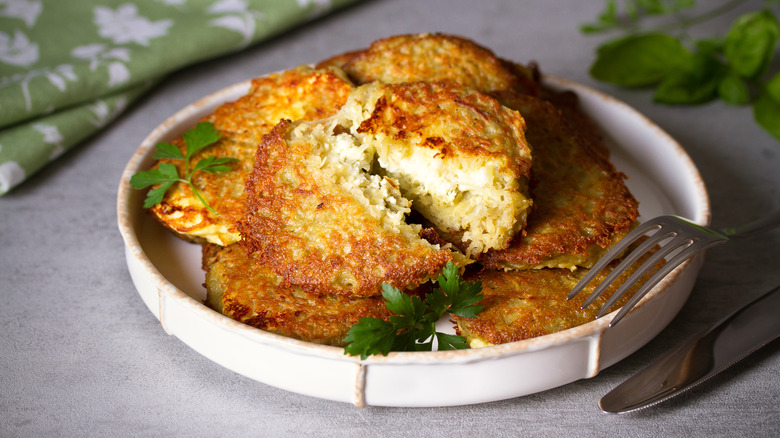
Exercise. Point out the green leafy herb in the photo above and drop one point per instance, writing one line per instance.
(413, 327)
(695, 82)
(639, 60)
(750, 44)
(166, 174)
(686, 71)
(734, 90)
(766, 108)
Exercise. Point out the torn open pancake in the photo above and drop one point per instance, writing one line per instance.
(459, 155)
(319, 219)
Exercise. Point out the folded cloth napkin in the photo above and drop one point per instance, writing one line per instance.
(67, 68)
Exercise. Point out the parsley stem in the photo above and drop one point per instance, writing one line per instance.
(197, 194)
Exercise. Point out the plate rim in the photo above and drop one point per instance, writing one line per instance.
(126, 196)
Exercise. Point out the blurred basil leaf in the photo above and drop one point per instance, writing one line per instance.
(766, 109)
(710, 45)
(772, 87)
(693, 83)
(734, 90)
(639, 60)
(750, 43)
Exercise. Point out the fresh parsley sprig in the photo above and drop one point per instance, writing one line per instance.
(413, 327)
(687, 71)
(166, 174)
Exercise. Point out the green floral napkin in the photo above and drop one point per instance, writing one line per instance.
(69, 67)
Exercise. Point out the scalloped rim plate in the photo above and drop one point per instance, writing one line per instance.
(167, 275)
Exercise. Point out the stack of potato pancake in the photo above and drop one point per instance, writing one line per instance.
(384, 164)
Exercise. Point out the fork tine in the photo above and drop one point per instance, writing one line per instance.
(665, 250)
(655, 278)
(670, 264)
(614, 252)
(629, 260)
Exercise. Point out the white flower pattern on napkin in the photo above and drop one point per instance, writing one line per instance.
(11, 174)
(104, 113)
(114, 59)
(318, 7)
(17, 49)
(57, 76)
(66, 72)
(51, 135)
(27, 11)
(124, 25)
(238, 17)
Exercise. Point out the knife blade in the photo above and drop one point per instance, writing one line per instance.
(705, 355)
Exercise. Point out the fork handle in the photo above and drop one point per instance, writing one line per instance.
(755, 227)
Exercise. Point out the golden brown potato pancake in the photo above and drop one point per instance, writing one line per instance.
(338, 61)
(318, 218)
(435, 57)
(581, 203)
(301, 93)
(459, 155)
(241, 288)
(567, 102)
(526, 304)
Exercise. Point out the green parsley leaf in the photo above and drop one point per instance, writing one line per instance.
(214, 164)
(450, 342)
(463, 296)
(464, 302)
(166, 174)
(167, 151)
(155, 195)
(409, 310)
(439, 302)
(751, 42)
(449, 279)
(419, 338)
(639, 60)
(202, 135)
(413, 325)
(370, 336)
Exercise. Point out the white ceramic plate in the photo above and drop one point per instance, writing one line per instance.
(166, 271)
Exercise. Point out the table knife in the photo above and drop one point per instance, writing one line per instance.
(702, 357)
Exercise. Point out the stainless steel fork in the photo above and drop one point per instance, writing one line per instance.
(678, 238)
